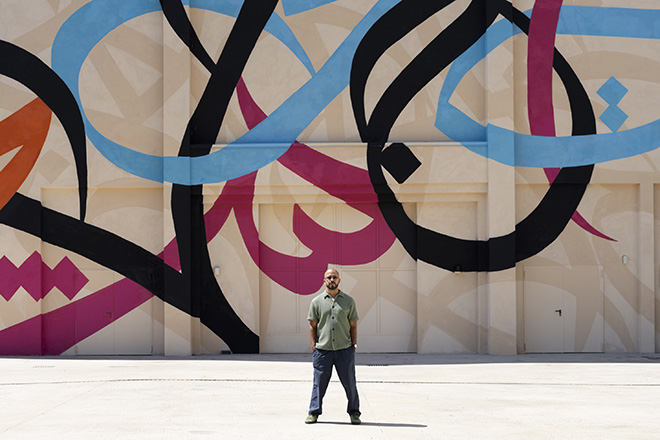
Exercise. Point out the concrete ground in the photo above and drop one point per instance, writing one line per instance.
(526, 397)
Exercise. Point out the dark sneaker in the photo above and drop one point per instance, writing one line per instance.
(312, 418)
(355, 419)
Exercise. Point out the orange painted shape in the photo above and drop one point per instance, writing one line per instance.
(27, 128)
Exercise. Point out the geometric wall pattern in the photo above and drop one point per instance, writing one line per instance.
(613, 92)
(36, 277)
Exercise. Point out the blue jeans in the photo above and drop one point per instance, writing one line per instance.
(344, 363)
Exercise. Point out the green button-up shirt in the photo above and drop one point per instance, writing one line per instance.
(334, 319)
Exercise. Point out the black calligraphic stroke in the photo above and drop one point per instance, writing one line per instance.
(465, 30)
(399, 161)
(187, 201)
(101, 246)
(24, 67)
(178, 19)
(446, 47)
(552, 214)
(405, 16)
(95, 244)
(209, 114)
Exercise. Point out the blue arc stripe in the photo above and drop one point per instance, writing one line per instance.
(552, 152)
(92, 22)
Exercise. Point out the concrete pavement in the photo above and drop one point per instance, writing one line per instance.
(601, 396)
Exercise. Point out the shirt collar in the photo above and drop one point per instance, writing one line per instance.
(338, 294)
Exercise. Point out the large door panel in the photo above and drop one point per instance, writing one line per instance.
(563, 309)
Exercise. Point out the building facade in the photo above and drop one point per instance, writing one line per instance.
(178, 175)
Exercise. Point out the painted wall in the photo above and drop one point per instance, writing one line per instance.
(177, 176)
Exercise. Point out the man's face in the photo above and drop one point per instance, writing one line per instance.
(331, 279)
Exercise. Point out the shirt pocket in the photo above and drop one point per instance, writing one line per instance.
(340, 313)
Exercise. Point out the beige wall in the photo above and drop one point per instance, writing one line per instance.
(139, 87)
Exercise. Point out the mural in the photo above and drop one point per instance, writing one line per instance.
(179, 174)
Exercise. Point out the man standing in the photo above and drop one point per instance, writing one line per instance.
(333, 336)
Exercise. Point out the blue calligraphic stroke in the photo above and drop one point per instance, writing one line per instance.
(292, 7)
(551, 152)
(260, 146)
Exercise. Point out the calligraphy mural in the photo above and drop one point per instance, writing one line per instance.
(178, 174)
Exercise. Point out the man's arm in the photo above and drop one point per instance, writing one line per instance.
(354, 333)
(313, 337)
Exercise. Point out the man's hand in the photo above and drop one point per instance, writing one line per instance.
(312, 334)
(354, 334)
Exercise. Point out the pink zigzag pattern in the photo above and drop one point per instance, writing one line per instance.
(38, 279)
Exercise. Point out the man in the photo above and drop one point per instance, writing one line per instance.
(333, 336)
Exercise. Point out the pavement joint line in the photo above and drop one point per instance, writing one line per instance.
(35, 416)
(561, 384)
